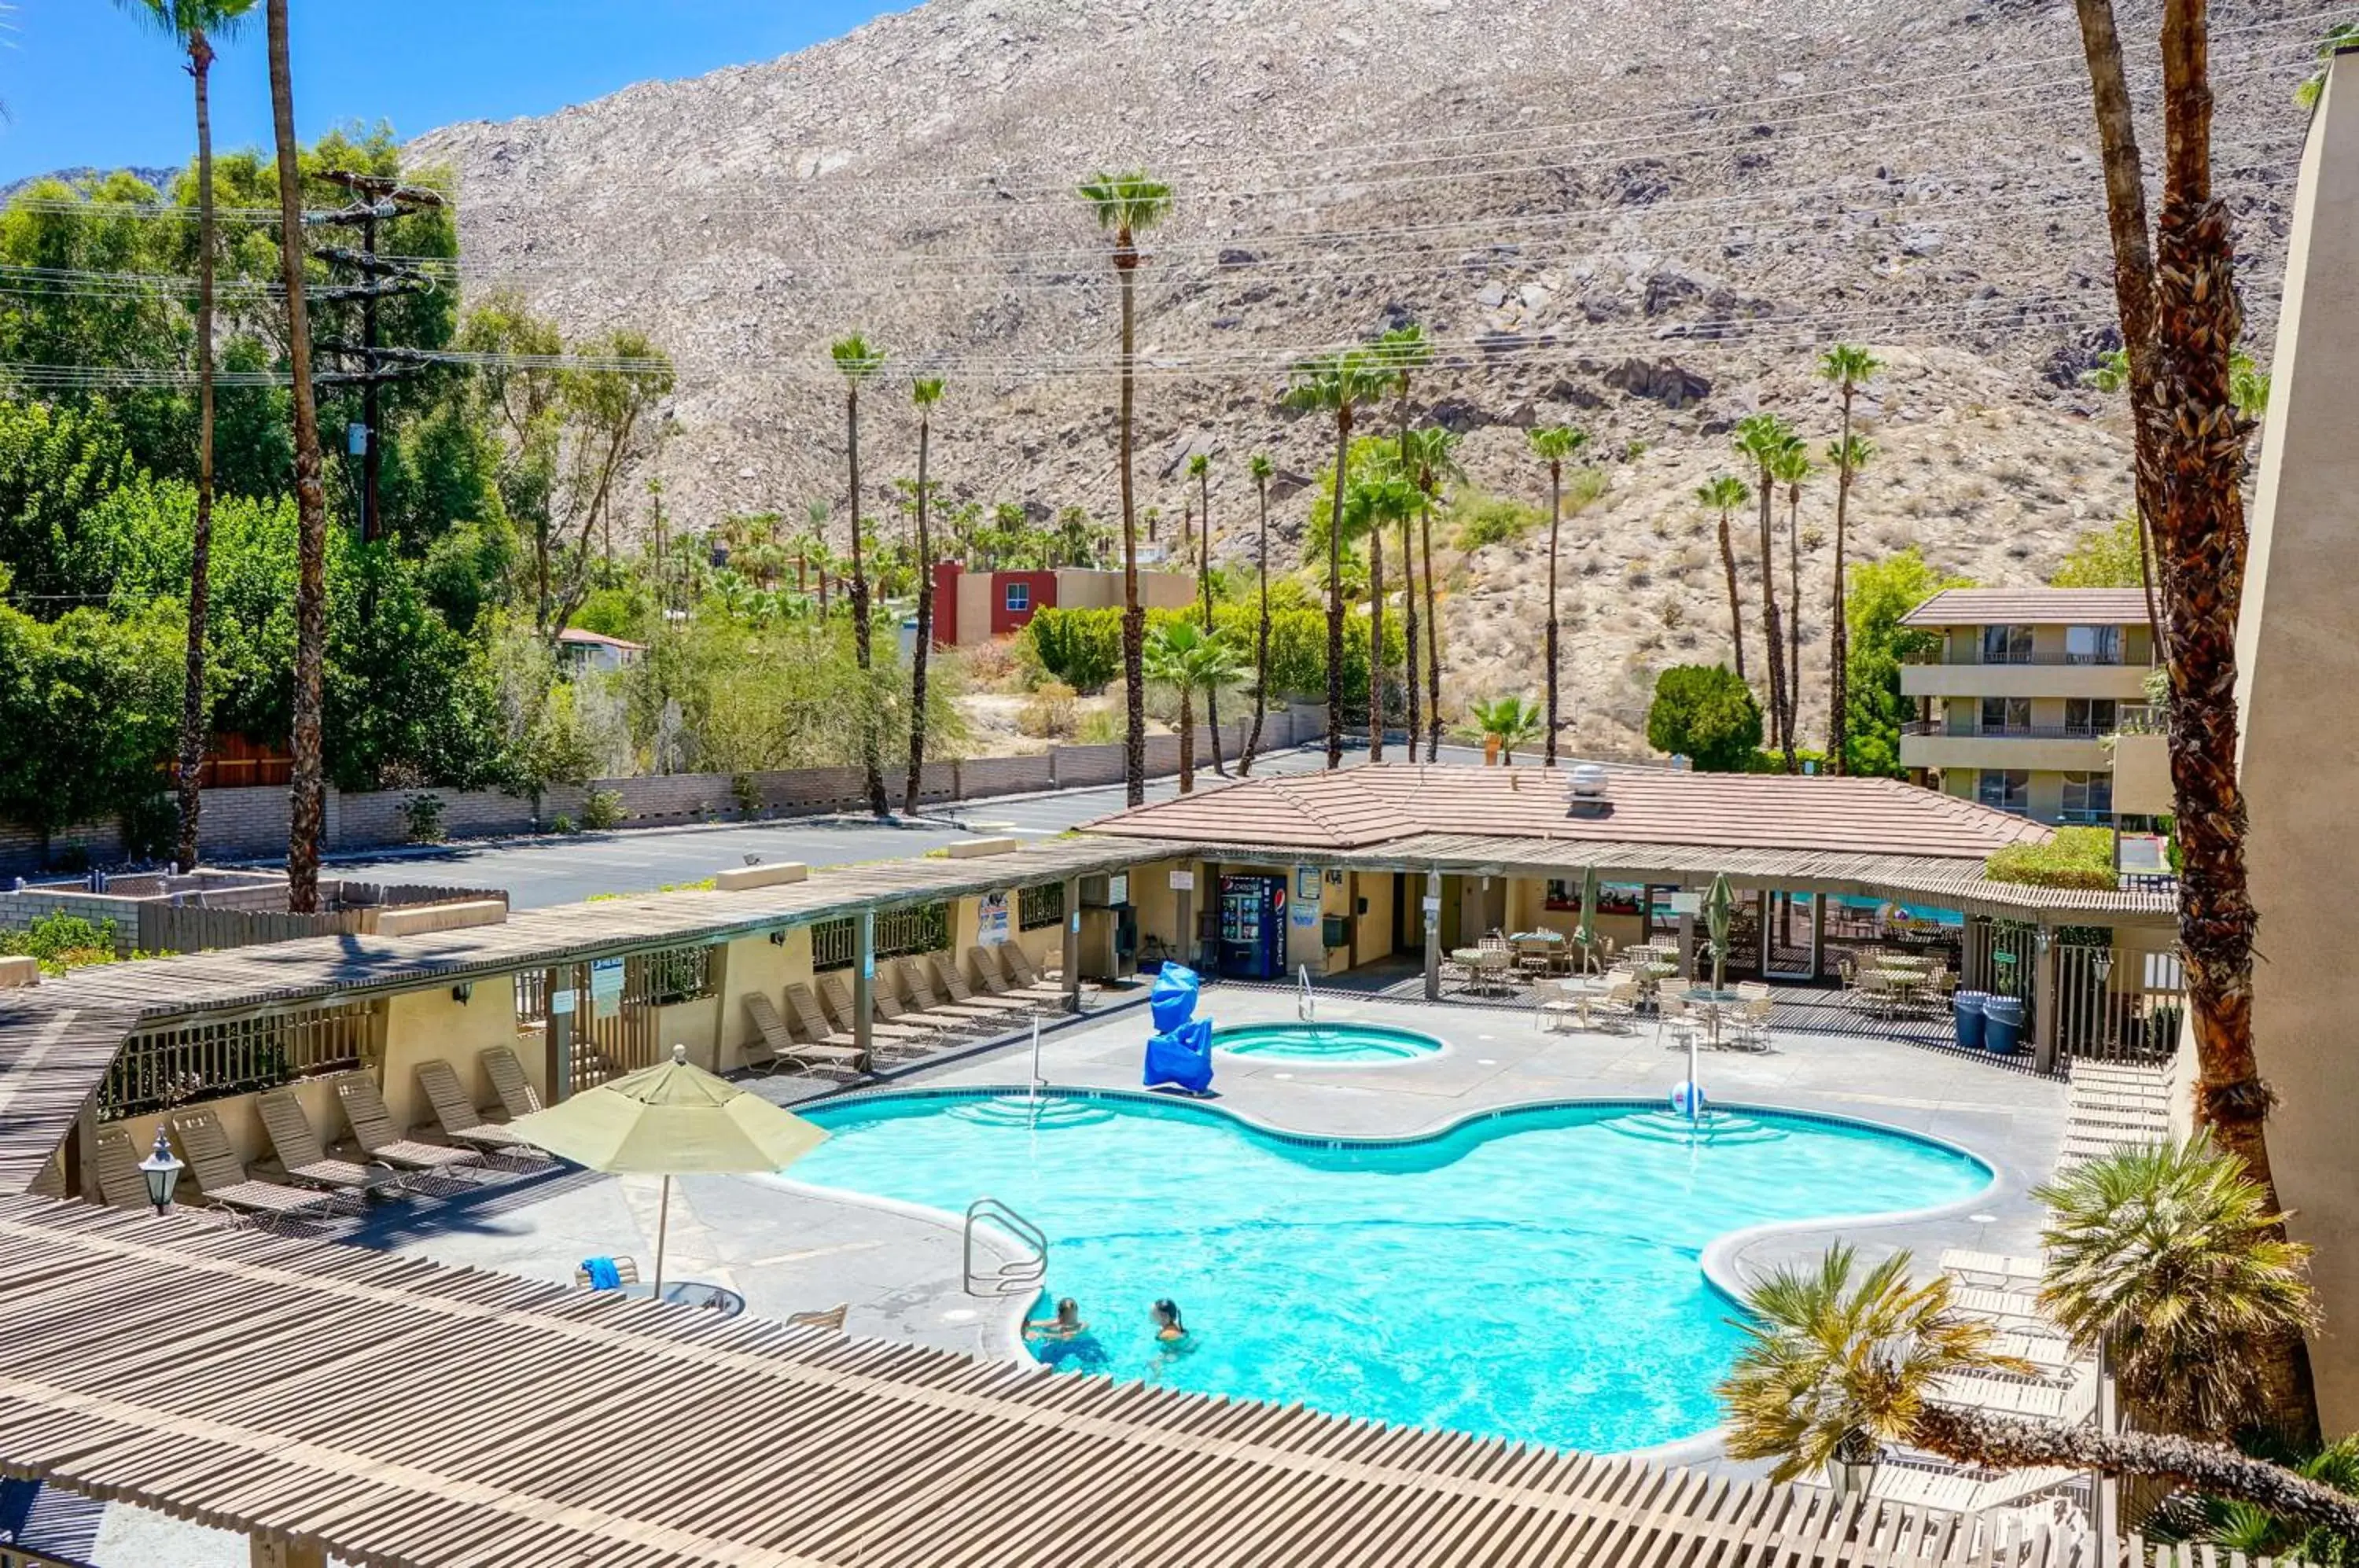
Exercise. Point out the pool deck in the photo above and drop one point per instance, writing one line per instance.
(900, 1271)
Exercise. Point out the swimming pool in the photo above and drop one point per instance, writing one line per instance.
(1530, 1274)
(1344, 1044)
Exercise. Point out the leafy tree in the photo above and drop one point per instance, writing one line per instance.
(1370, 504)
(1080, 648)
(56, 465)
(926, 394)
(1505, 722)
(1126, 205)
(102, 695)
(1706, 714)
(1336, 383)
(1552, 445)
(1185, 658)
(1880, 593)
(2104, 557)
(1723, 493)
(1764, 437)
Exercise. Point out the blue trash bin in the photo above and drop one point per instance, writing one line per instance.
(2003, 1029)
(1966, 1010)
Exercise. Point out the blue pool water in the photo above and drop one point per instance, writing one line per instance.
(1341, 1044)
(1533, 1275)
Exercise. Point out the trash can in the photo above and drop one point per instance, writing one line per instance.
(1966, 1011)
(2003, 1029)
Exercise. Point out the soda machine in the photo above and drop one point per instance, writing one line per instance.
(1252, 926)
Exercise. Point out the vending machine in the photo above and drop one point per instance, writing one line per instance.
(1252, 926)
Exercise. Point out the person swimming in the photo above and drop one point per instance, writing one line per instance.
(1065, 1324)
(1063, 1341)
(1169, 1329)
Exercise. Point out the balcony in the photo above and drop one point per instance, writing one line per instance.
(2057, 748)
(2058, 675)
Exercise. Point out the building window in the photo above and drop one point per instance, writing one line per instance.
(2006, 645)
(2088, 798)
(2004, 716)
(1019, 598)
(2093, 645)
(2006, 790)
(2091, 715)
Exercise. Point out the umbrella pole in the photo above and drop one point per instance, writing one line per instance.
(663, 1224)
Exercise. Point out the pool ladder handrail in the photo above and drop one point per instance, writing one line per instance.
(1306, 1003)
(1010, 1278)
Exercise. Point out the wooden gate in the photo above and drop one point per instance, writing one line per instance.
(2002, 958)
(2118, 1007)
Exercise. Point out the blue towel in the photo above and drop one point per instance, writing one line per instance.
(604, 1275)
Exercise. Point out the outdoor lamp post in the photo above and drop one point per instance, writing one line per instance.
(161, 1171)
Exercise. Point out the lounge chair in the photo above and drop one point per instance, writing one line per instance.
(517, 1097)
(120, 1182)
(1993, 1269)
(626, 1270)
(955, 990)
(781, 1048)
(893, 1012)
(222, 1179)
(462, 1123)
(1017, 965)
(918, 990)
(373, 1129)
(995, 981)
(305, 1159)
(808, 1022)
(836, 996)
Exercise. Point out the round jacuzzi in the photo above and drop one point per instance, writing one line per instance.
(1341, 1044)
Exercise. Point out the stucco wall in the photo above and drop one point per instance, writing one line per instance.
(421, 1024)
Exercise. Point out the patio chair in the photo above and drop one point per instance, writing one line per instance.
(222, 1178)
(829, 1321)
(626, 1270)
(1752, 1021)
(956, 991)
(373, 1129)
(305, 1159)
(1997, 1271)
(835, 997)
(917, 989)
(1679, 1021)
(890, 1010)
(813, 1024)
(1559, 1003)
(1753, 990)
(455, 1113)
(1017, 965)
(779, 1048)
(1877, 992)
(506, 1075)
(1618, 1007)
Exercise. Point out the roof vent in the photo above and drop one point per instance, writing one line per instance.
(1588, 783)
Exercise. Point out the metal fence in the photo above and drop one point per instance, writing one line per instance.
(162, 1068)
(2118, 1007)
(923, 929)
(1043, 905)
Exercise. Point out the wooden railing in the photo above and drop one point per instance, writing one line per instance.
(162, 1068)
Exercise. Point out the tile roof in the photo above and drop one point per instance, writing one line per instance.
(2030, 607)
(1361, 807)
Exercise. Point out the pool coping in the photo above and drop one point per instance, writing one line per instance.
(1716, 1259)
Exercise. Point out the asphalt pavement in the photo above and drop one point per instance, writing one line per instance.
(538, 872)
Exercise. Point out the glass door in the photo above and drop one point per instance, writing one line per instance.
(1790, 937)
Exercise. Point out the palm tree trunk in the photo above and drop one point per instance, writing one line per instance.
(193, 725)
(1838, 627)
(1432, 636)
(1408, 636)
(871, 743)
(1793, 614)
(1735, 596)
(2203, 547)
(2012, 1443)
(1335, 593)
(1261, 646)
(1205, 586)
(2134, 292)
(1781, 718)
(1556, 519)
(1187, 739)
(1375, 637)
(307, 808)
(1133, 618)
(925, 631)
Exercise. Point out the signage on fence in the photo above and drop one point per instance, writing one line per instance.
(1687, 903)
(991, 919)
(1183, 881)
(560, 1004)
(605, 987)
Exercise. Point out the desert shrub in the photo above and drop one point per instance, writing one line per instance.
(746, 790)
(601, 808)
(1703, 712)
(58, 942)
(1083, 648)
(1483, 519)
(1051, 713)
(422, 818)
(562, 824)
(1100, 726)
(2075, 857)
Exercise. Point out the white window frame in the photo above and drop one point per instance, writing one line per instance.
(1015, 599)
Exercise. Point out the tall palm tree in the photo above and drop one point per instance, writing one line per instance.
(1791, 469)
(1406, 350)
(1126, 205)
(1433, 455)
(307, 805)
(1849, 367)
(1199, 469)
(860, 362)
(1336, 383)
(1260, 467)
(1186, 659)
(1552, 445)
(193, 26)
(1834, 1372)
(1762, 437)
(1723, 493)
(1510, 720)
(1380, 497)
(925, 395)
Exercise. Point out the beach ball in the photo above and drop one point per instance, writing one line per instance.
(1688, 1099)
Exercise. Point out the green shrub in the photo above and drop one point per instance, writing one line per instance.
(601, 808)
(562, 824)
(60, 942)
(1484, 520)
(151, 827)
(1703, 712)
(2075, 857)
(422, 818)
(746, 790)
(1083, 648)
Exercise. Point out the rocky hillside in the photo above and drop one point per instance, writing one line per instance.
(1641, 218)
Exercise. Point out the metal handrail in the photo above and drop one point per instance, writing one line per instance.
(2009, 732)
(1004, 1278)
(1306, 1005)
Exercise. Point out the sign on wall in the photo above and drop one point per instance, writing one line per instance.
(560, 1004)
(991, 919)
(605, 987)
(1183, 881)
(1305, 884)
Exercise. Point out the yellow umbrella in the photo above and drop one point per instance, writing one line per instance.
(671, 1119)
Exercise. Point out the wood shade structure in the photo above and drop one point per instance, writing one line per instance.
(400, 1413)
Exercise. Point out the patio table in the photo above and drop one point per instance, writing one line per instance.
(1711, 1002)
(689, 1293)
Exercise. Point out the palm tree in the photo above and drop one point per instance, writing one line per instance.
(1379, 498)
(1762, 437)
(1791, 468)
(1552, 445)
(1832, 1373)
(194, 25)
(925, 393)
(1406, 350)
(1849, 367)
(860, 361)
(2174, 1263)
(1433, 454)
(307, 805)
(1185, 658)
(1126, 205)
(1336, 383)
(1199, 469)
(1510, 721)
(1723, 493)
(1261, 468)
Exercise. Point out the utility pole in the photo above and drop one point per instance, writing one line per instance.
(375, 199)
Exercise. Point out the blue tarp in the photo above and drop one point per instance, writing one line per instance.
(1173, 999)
(1180, 1052)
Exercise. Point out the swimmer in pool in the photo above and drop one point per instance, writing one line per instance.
(1066, 1325)
(1169, 1329)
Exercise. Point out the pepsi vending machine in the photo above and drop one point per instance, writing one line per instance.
(1252, 926)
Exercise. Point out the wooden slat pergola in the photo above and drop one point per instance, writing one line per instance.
(398, 1412)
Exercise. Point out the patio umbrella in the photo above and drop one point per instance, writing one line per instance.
(1719, 907)
(1586, 932)
(671, 1119)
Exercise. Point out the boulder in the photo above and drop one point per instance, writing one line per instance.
(1659, 381)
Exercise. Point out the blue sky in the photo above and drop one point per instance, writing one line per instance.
(86, 82)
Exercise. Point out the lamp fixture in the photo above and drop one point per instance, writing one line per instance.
(462, 992)
(161, 1171)
(779, 938)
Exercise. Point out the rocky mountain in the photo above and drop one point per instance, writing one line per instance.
(84, 174)
(1643, 218)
